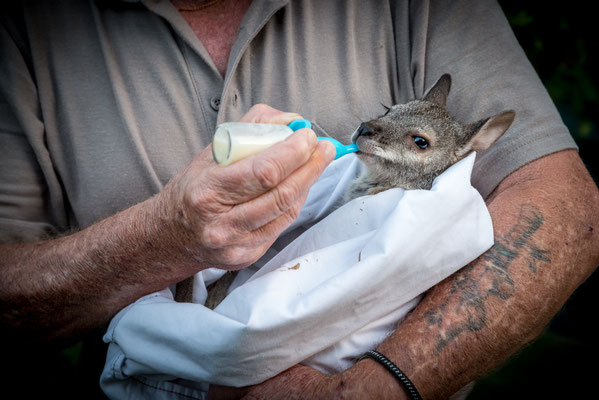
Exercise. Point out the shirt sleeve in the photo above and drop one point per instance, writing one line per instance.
(28, 203)
(472, 40)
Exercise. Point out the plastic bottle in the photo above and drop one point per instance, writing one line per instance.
(234, 141)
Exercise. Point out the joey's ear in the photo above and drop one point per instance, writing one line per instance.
(482, 134)
(439, 92)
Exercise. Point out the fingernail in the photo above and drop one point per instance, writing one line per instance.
(290, 115)
(311, 136)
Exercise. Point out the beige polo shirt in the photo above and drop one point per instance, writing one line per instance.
(102, 102)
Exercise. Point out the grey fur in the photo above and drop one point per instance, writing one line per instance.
(393, 159)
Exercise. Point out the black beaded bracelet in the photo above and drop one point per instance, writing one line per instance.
(408, 385)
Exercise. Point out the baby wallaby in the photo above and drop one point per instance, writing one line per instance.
(415, 142)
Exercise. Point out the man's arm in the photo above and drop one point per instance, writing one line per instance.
(545, 219)
(206, 216)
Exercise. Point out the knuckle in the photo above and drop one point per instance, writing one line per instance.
(232, 256)
(268, 172)
(285, 196)
(259, 108)
(196, 198)
(215, 238)
(196, 193)
(294, 211)
(256, 113)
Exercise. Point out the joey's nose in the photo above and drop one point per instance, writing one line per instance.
(363, 130)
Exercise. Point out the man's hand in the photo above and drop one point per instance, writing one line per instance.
(227, 217)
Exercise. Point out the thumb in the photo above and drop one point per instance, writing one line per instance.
(264, 114)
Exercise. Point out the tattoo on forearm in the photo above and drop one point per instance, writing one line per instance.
(465, 309)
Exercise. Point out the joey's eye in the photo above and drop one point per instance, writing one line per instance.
(421, 142)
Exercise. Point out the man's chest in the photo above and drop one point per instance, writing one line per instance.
(216, 26)
(153, 102)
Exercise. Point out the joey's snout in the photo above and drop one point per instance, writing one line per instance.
(363, 130)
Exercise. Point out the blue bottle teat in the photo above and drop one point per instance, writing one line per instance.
(340, 148)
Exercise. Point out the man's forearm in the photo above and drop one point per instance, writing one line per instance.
(545, 216)
(61, 287)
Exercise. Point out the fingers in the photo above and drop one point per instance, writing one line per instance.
(281, 198)
(245, 226)
(251, 177)
(267, 215)
(275, 227)
(250, 246)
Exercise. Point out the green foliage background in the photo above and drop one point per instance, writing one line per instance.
(560, 42)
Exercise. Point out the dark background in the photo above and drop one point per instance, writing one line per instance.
(562, 363)
(560, 39)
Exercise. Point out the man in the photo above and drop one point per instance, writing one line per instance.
(104, 101)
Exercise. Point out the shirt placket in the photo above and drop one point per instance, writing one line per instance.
(218, 99)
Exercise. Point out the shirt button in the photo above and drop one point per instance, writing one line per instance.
(215, 103)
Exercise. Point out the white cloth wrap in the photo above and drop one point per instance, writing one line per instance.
(334, 292)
